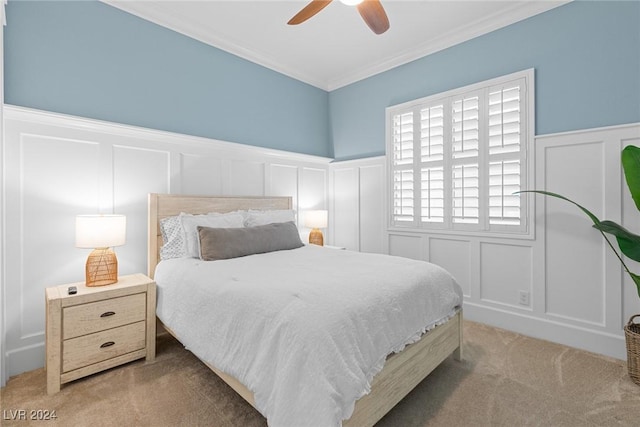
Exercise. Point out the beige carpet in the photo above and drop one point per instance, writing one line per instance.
(505, 380)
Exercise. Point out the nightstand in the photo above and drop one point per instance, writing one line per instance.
(98, 327)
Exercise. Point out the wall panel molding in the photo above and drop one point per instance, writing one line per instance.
(358, 208)
(577, 293)
(57, 166)
(574, 258)
(455, 255)
(506, 272)
(3, 370)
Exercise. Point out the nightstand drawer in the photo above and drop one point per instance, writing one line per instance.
(98, 316)
(94, 348)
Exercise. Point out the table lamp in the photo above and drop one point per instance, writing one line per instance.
(100, 233)
(316, 220)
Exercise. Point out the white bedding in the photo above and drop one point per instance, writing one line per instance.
(305, 329)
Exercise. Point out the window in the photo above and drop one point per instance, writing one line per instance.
(456, 158)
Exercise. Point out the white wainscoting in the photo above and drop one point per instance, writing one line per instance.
(358, 213)
(2, 222)
(576, 292)
(59, 166)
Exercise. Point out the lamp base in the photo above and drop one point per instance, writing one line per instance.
(101, 268)
(316, 238)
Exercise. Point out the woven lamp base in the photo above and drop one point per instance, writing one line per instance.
(316, 238)
(101, 268)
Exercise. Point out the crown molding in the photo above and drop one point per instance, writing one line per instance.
(517, 12)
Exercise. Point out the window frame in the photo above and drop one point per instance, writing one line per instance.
(525, 230)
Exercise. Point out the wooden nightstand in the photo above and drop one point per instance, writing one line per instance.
(99, 327)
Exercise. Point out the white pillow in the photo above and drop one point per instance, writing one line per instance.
(172, 237)
(257, 217)
(190, 225)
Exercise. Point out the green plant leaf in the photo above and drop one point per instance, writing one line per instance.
(636, 280)
(594, 218)
(631, 166)
(628, 242)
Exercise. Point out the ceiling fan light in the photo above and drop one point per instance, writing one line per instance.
(351, 2)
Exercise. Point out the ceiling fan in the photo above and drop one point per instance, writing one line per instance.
(371, 11)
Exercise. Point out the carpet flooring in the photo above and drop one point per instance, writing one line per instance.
(505, 379)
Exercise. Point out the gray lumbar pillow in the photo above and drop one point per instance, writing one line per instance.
(225, 243)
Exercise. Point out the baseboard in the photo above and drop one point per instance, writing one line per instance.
(24, 359)
(594, 341)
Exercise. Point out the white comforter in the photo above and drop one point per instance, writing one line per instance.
(307, 329)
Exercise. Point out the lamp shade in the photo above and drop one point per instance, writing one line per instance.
(315, 219)
(100, 231)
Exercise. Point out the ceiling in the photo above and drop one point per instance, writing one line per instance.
(335, 47)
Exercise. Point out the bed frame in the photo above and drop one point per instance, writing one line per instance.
(402, 371)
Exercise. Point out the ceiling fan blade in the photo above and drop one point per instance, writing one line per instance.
(308, 11)
(374, 15)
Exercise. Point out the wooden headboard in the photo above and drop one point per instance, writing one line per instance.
(165, 205)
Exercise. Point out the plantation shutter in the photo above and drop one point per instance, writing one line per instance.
(465, 142)
(432, 180)
(457, 158)
(505, 147)
(403, 174)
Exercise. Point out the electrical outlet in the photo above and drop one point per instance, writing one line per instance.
(523, 298)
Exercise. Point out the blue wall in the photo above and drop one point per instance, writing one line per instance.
(586, 57)
(92, 60)
(89, 59)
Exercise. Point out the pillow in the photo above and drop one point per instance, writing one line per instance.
(225, 243)
(172, 237)
(257, 217)
(191, 222)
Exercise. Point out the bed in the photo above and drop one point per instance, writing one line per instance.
(400, 372)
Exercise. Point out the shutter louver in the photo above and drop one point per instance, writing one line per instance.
(432, 133)
(403, 139)
(466, 194)
(403, 195)
(504, 155)
(432, 197)
(403, 174)
(466, 127)
(465, 173)
(432, 168)
(504, 121)
(504, 180)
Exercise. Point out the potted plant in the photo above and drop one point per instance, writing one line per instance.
(629, 244)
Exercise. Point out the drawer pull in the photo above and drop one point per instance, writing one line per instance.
(107, 344)
(107, 314)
